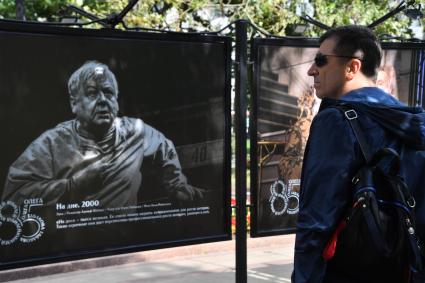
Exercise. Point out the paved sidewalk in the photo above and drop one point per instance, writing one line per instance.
(269, 260)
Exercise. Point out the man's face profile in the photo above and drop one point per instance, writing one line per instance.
(95, 104)
(328, 78)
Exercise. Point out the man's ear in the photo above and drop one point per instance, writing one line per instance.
(353, 68)
(72, 102)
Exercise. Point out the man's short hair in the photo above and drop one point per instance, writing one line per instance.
(357, 41)
(90, 69)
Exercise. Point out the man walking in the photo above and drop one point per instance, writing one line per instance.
(344, 70)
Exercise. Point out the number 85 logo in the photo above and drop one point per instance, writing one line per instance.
(283, 199)
(17, 224)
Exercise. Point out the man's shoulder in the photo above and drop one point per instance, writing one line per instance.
(60, 134)
(62, 129)
(329, 116)
(330, 124)
(130, 126)
(134, 127)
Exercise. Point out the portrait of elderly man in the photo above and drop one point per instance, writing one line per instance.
(96, 156)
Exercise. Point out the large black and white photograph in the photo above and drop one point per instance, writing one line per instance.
(111, 142)
(284, 107)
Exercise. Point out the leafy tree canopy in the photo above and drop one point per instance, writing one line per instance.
(272, 16)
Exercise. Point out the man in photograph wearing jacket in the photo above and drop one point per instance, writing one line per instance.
(97, 156)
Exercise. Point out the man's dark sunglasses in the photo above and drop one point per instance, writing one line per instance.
(322, 59)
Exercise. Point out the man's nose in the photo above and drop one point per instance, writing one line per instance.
(101, 96)
(312, 71)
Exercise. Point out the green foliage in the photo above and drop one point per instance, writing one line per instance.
(360, 12)
(272, 16)
(7, 9)
(51, 10)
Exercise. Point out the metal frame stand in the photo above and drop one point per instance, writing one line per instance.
(241, 75)
(20, 10)
(240, 107)
(112, 20)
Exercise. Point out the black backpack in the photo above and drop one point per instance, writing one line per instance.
(378, 231)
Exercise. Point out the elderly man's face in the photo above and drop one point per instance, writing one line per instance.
(96, 104)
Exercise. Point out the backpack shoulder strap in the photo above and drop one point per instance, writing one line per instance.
(351, 116)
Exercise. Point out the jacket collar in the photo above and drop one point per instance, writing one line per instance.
(406, 123)
(371, 95)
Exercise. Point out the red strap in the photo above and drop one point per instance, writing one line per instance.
(329, 251)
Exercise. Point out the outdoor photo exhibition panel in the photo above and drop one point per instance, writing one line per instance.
(95, 173)
(400, 71)
(283, 107)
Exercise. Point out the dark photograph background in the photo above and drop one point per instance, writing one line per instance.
(180, 86)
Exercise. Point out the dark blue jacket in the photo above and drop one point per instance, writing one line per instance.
(333, 156)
